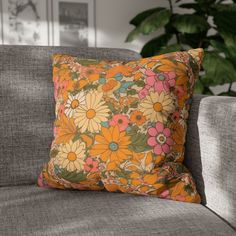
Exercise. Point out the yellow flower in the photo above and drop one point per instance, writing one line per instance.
(157, 106)
(73, 103)
(89, 116)
(71, 156)
(112, 146)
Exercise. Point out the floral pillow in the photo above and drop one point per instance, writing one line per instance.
(121, 126)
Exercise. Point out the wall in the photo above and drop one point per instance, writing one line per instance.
(112, 21)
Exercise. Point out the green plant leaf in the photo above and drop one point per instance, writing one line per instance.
(133, 35)
(195, 40)
(170, 48)
(229, 38)
(138, 19)
(153, 47)
(194, 6)
(228, 93)
(198, 88)
(155, 21)
(230, 51)
(218, 70)
(189, 23)
(150, 24)
(224, 17)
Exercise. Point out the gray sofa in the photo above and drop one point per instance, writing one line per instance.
(26, 120)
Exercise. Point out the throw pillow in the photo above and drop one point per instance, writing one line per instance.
(121, 126)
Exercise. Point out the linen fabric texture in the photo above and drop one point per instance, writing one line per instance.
(121, 126)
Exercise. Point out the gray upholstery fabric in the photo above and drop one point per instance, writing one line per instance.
(26, 119)
(27, 106)
(29, 211)
(211, 153)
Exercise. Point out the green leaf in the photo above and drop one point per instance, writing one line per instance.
(194, 6)
(139, 140)
(76, 137)
(218, 70)
(155, 21)
(74, 177)
(195, 40)
(169, 48)
(138, 19)
(229, 51)
(150, 24)
(190, 23)
(198, 88)
(154, 46)
(133, 35)
(229, 38)
(228, 93)
(219, 45)
(131, 92)
(87, 62)
(140, 83)
(111, 107)
(224, 18)
(53, 153)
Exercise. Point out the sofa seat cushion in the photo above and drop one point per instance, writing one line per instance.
(29, 210)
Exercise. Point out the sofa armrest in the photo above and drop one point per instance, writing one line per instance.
(211, 153)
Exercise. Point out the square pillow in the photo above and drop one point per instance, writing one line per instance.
(121, 126)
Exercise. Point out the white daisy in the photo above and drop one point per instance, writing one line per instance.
(73, 103)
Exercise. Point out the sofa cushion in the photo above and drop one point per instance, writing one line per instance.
(29, 210)
(27, 106)
(121, 125)
(211, 152)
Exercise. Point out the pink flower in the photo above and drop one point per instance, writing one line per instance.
(160, 81)
(143, 93)
(165, 194)
(91, 165)
(160, 138)
(121, 121)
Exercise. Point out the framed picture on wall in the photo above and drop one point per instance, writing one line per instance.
(25, 22)
(73, 23)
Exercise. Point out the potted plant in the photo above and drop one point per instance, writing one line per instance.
(211, 26)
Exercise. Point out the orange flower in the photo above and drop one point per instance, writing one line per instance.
(124, 70)
(109, 86)
(92, 73)
(66, 129)
(126, 101)
(137, 118)
(138, 75)
(64, 72)
(179, 68)
(112, 146)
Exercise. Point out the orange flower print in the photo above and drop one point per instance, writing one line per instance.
(121, 126)
(124, 70)
(108, 86)
(91, 73)
(64, 73)
(137, 118)
(112, 146)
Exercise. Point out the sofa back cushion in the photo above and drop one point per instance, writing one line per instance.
(27, 106)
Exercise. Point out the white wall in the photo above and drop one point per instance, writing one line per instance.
(112, 21)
